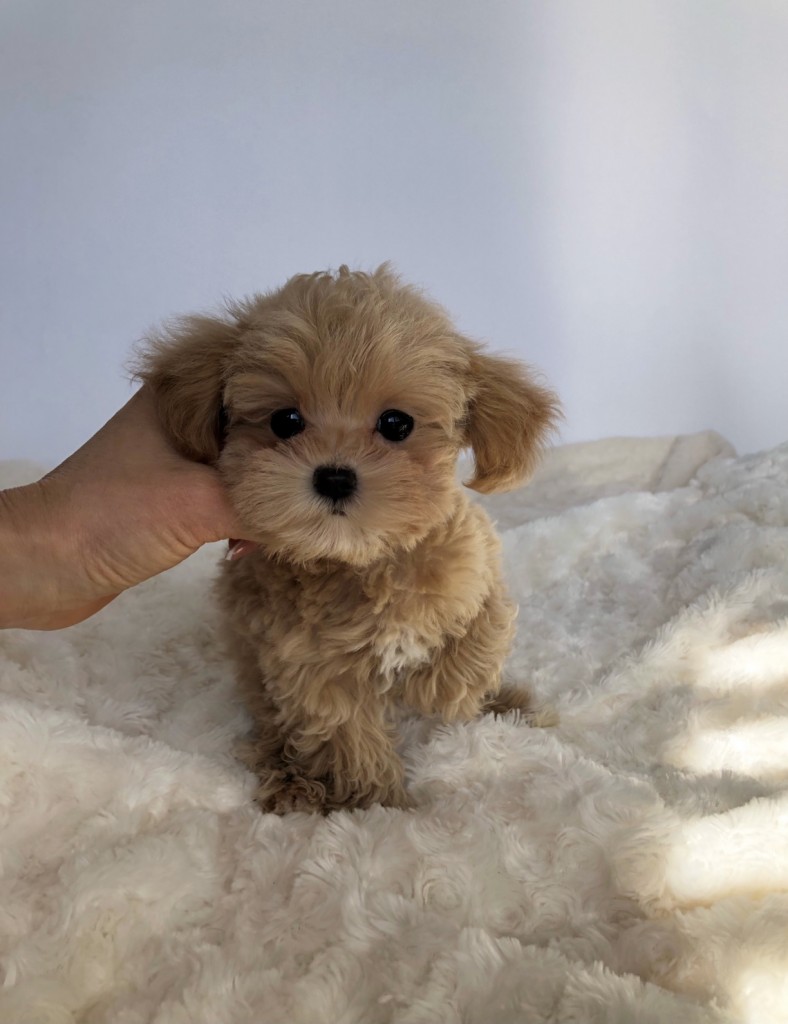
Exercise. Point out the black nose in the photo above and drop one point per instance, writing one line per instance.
(334, 482)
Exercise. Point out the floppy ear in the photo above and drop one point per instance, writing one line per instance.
(185, 366)
(510, 417)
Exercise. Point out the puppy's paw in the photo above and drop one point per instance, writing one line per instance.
(395, 796)
(508, 698)
(512, 698)
(284, 791)
(358, 800)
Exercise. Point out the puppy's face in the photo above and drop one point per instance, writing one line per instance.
(335, 410)
(342, 435)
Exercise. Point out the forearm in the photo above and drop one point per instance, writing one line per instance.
(39, 562)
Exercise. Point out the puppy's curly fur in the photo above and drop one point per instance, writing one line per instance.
(384, 589)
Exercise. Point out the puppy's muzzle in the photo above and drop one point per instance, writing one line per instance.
(337, 483)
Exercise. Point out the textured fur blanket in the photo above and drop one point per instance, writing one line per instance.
(627, 864)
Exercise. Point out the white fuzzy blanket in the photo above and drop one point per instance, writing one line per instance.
(629, 864)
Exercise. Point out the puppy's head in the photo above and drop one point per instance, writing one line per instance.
(335, 409)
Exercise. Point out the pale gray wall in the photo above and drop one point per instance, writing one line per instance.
(598, 185)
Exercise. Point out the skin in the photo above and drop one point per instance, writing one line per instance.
(124, 507)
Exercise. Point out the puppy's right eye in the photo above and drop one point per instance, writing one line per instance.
(287, 423)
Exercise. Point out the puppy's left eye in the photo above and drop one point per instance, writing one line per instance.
(287, 423)
(394, 425)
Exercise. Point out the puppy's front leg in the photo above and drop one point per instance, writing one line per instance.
(464, 678)
(337, 750)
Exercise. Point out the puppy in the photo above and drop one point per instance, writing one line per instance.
(335, 409)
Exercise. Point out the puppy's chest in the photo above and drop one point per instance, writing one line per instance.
(391, 630)
(399, 633)
(384, 623)
(399, 649)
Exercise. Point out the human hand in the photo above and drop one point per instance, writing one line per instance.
(124, 507)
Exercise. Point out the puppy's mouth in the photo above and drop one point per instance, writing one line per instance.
(237, 548)
(337, 508)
